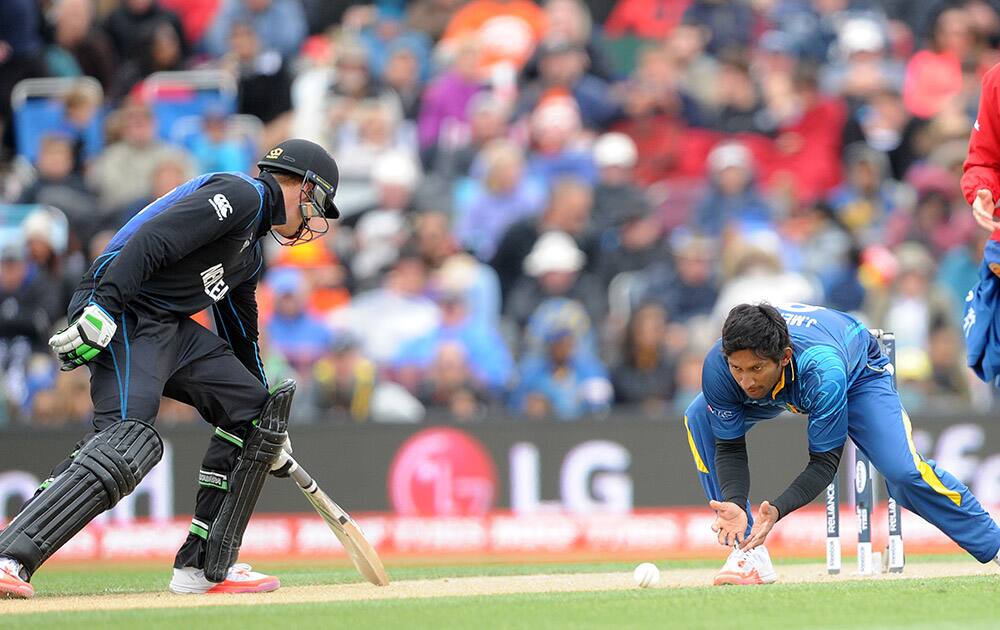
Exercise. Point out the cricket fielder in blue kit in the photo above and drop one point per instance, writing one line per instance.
(824, 364)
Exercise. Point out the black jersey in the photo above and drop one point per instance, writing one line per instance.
(196, 247)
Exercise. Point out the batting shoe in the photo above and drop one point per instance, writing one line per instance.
(11, 584)
(239, 579)
(747, 567)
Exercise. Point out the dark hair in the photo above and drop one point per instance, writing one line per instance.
(757, 327)
(287, 178)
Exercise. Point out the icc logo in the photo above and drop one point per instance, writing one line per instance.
(442, 472)
(275, 153)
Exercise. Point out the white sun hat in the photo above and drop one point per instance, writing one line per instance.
(615, 149)
(554, 251)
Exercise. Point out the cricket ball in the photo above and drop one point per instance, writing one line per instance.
(645, 575)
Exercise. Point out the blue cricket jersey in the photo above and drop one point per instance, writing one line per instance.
(981, 325)
(830, 351)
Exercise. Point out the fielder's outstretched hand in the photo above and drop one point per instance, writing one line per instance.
(84, 339)
(767, 516)
(982, 210)
(730, 522)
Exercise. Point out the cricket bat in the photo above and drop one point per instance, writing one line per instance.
(362, 554)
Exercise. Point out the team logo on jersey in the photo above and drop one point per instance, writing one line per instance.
(222, 206)
(725, 414)
(215, 285)
(969, 320)
(275, 153)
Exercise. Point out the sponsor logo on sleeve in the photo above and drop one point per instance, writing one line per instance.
(215, 284)
(722, 413)
(222, 206)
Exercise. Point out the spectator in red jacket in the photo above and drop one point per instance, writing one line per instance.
(652, 19)
(934, 76)
(981, 171)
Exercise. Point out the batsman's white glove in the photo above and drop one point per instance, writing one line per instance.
(84, 339)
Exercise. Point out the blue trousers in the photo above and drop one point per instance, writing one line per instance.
(878, 425)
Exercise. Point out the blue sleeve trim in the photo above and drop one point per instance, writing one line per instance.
(155, 208)
(822, 447)
(256, 349)
(97, 272)
(128, 367)
(121, 399)
(260, 194)
(260, 263)
(111, 255)
(102, 309)
(221, 323)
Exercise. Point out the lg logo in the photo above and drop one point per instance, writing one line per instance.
(592, 478)
(442, 472)
(447, 472)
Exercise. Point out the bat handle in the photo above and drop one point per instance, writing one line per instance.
(301, 477)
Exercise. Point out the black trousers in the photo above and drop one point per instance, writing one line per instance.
(156, 353)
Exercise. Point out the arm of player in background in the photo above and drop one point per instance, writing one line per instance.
(161, 241)
(236, 322)
(982, 165)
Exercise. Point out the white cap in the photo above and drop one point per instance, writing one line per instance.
(379, 226)
(729, 154)
(861, 35)
(554, 251)
(395, 168)
(50, 225)
(560, 112)
(615, 149)
(458, 273)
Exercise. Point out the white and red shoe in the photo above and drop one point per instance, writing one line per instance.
(747, 567)
(11, 584)
(239, 579)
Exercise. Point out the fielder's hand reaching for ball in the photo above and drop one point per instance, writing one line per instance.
(767, 516)
(730, 522)
(982, 210)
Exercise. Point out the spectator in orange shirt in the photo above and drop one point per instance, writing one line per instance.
(509, 30)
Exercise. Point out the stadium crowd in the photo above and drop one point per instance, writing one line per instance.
(548, 208)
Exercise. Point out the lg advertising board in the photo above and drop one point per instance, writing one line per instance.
(609, 466)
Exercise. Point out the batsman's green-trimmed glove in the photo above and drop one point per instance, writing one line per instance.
(84, 339)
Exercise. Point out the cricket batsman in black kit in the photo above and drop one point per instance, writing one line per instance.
(196, 247)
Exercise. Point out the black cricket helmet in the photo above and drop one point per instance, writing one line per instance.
(315, 166)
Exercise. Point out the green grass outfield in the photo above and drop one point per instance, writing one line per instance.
(955, 602)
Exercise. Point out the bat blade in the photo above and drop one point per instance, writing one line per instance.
(361, 552)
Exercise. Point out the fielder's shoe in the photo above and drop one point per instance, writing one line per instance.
(747, 567)
(11, 584)
(240, 579)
